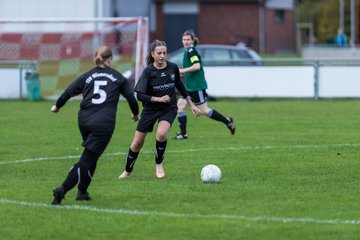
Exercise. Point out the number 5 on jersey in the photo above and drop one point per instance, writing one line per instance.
(99, 91)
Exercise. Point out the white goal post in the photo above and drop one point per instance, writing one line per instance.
(64, 48)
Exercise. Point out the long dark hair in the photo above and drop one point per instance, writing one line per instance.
(191, 33)
(156, 43)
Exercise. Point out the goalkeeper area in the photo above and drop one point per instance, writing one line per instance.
(64, 48)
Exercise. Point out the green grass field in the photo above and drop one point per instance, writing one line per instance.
(290, 172)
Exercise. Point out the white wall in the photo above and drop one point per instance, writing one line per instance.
(249, 82)
(260, 81)
(48, 8)
(13, 83)
(337, 81)
(331, 53)
(283, 81)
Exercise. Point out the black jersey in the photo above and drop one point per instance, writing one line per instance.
(101, 89)
(160, 82)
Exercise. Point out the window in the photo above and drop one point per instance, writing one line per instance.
(279, 16)
(216, 56)
(239, 56)
(242, 54)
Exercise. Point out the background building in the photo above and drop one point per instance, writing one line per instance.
(268, 26)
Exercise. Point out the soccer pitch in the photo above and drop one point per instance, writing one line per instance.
(291, 171)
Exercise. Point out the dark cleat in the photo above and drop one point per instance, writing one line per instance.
(59, 194)
(83, 197)
(231, 126)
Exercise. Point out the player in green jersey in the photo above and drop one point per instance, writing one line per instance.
(195, 83)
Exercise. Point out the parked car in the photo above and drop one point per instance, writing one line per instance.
(220, 55)
(214, 55)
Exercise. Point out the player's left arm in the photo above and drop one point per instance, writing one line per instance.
(195, 67)
(195, 61)
(147, 98)
(128, 93)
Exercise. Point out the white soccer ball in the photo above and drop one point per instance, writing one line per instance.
(210, 174)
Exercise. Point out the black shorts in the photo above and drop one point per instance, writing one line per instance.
(94, 141)
(149, 117)
(198, 97)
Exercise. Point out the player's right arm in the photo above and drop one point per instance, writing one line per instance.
(72, 90)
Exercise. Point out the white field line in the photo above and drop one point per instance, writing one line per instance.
(183, 215)
(241, 148)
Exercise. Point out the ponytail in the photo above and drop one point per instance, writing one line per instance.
(102, 54)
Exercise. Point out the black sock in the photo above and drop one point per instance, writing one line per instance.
(160, 151)
(84, 178)
(182, 119)
(82, 172)
(87, 170)
(213, 114)
(71, 179)
(130, 160)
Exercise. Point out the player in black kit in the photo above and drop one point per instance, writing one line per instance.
(156, 90)
(101, 88)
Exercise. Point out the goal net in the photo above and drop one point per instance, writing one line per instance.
(64, 48)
